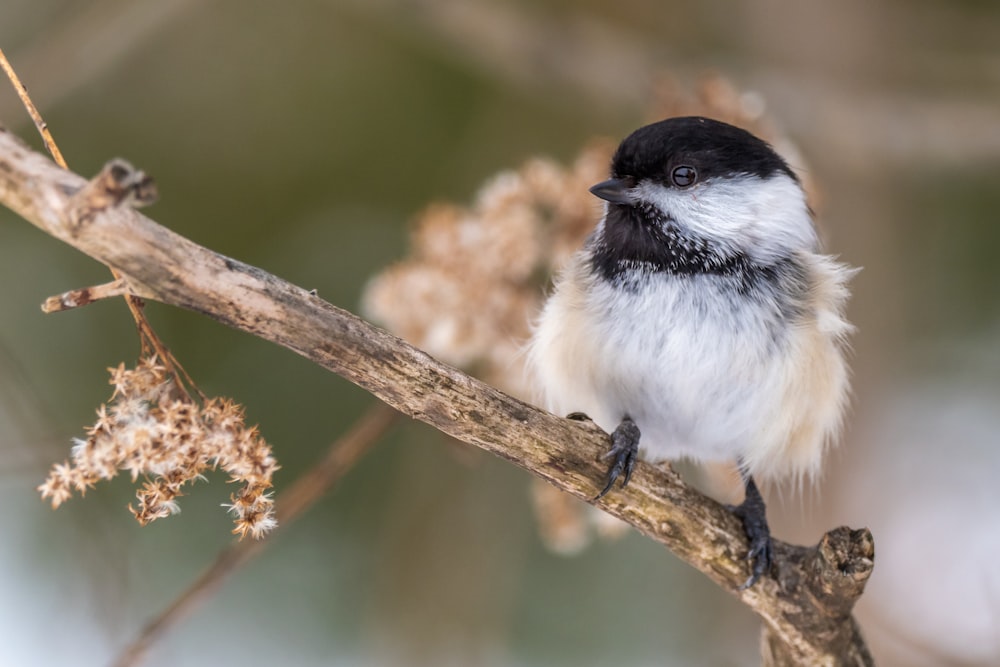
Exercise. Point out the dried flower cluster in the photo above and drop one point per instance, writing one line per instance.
(475, 277)
(150, 428)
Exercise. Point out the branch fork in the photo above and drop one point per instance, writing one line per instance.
(117, 184)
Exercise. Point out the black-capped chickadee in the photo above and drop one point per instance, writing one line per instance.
(702, 315)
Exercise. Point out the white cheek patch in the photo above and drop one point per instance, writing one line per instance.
(764, 218)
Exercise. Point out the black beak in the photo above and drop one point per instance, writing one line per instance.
(614, 190)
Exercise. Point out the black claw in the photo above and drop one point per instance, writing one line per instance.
(625, 452)
(753, 513)
(579, 417)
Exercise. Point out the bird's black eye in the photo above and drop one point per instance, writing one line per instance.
(684, 176)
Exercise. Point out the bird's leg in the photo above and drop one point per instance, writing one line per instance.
(753, 514)
(624, 452)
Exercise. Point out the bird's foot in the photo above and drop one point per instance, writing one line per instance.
(753, 514)
(624, 453)
(579, 417)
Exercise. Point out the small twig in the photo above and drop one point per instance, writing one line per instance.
(122, 184)
(300, 496)
(43, 127)
(84, 296)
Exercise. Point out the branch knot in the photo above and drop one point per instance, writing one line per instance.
(118, 183)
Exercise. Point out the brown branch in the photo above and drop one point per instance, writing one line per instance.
(805, 606)
(300, 496)
(84, 296)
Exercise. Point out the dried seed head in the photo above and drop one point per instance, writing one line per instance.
(151, 429)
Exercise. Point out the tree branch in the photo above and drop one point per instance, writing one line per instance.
(806, 607)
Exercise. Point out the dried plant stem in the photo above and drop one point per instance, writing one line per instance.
(148, 339)
(36, 117)
(84, 296)
(341, 456)
(806, 606)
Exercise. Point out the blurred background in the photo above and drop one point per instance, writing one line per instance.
(303, 137)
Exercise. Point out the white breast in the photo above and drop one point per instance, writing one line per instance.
(704, 372)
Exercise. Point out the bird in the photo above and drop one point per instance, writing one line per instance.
(701, 319)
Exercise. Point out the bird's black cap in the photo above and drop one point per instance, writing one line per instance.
(715, 149)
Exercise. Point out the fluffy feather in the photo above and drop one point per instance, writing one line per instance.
(706, 314)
